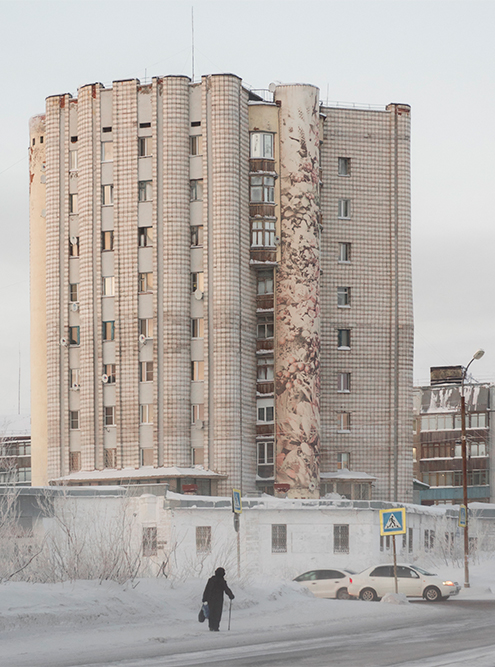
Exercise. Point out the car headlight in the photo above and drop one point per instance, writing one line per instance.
(448, 583)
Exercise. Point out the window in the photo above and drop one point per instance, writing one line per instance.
(109, 371)
(197, 190)
(197, 371)
(344, 253)
(344, 166)
(197, 235)
(203, 539)
(265, 459)
(107, 240)
(110, 415)
(344, 422)
(145, 191)
(110, 458)
(197, 327)
(106, 195)
(74, 292)
(74, 420)
(197, 282)
(476, 420)
(344, 339)
(146, 414)
(265, 326)
(429, 540)
(265, 282)
(343, 297)
(145, 282)
(279, 538)
(74, 378)
(196, 144)
(263, 233)
(197, 413)
(265, 413)
(74, 336)
(145, 146)
(145, 237)
(262, 189)
(265, 369)
(144, 124)
(262, 145)
(107, 151)
(150, 541)
(146, 456)
(344, 385)
(146, 328)
(74, 246)
(106, 129)
(108, 286)
(73, 161)
(341, 539)
(74, 461)
(344, 208)
(343, 461)
(108, 330)
(73, 204)
(146, 371)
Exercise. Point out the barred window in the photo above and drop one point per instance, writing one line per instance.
(149, 541)
(203, 539)
(341, 539)
(110, 458)
(74, 461)
(279, 538)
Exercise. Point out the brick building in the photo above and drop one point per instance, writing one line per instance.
(221, 288)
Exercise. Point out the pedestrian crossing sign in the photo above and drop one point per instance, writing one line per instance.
(393, 522)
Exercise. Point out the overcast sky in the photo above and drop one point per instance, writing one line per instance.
(436, 55)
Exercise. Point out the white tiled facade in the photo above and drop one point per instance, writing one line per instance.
(215, 293)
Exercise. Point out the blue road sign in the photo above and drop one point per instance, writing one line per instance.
(393, 522)
(236, 501)
(462, 516)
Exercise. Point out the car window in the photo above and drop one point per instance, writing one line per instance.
(421, 571)
(307, 576)
(406, 572)
(329, 574)
(383, 571)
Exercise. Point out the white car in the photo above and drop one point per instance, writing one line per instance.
(326, 583)
(413, 581)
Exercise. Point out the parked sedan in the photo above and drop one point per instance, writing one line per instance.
(326, 583)
(413, 581)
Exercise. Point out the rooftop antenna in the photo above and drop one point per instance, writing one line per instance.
(192, 41)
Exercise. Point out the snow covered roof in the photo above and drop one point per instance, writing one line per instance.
(347, 475)
(143, 473)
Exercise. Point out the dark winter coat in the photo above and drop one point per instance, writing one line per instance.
(213, 594)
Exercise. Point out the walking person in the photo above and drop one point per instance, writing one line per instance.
(213, 595)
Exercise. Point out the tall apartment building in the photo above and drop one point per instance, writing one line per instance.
(221, 289)
(437, 438)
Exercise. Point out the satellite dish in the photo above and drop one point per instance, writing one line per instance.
(73, 240)
(142, 339)
(74, 307)
(198, 294)
(63, 341)
(104, 378)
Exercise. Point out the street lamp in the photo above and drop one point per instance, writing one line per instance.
(477, 355)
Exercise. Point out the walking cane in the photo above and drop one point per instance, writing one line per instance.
(230, 613)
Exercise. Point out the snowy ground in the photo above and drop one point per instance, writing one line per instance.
(85, 622)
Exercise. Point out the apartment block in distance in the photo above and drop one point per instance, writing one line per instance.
(437, 451)
(221, 290)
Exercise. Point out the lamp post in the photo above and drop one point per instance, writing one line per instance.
(477, 355)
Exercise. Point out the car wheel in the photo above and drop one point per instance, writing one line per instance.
(368, 594)
(342, 594)
(432, 594)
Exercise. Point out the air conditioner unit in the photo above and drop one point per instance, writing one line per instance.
(198, 294)
(63, 341)
(75, 386)
(104, 378)
(142, 339)
(74, 307)
(73, 240)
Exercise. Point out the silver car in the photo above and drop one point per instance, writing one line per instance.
(413, 581)
(326, 583)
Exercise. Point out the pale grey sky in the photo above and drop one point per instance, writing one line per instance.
(436, 55)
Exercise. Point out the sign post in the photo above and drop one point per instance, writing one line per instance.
(393, 522)
(237, 510)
